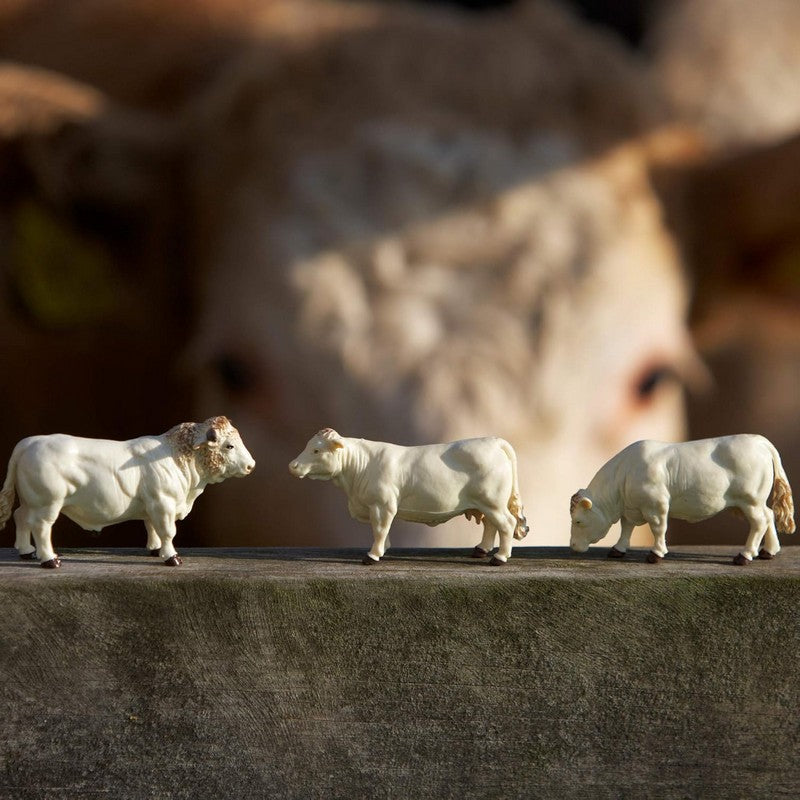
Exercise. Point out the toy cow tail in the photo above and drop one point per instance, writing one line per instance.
(782, 502)
(7, 493)
(515, 501)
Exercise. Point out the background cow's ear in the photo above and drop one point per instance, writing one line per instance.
(585, 502)
(336, 444)
(84, 184)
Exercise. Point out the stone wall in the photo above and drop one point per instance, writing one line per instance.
(302, 674)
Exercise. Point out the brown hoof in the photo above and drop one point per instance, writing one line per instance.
(765, 555)
(614, 553)
(174, 561)
(741, 561)
(496, 562)
(28, 556)
(368, 561)
(654, 558)
(479, 552)
(53, 563)
(156, 552)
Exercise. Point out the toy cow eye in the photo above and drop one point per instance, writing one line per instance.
(316, 451)
(229, 447)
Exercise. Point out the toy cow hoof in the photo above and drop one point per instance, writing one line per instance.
(174, 561)
(765, 555)
(654, 558)
(53, 563)
(496, 562)
(369, 561)
(479, 552)
(741, 561)
(28, 556)
(614, 553)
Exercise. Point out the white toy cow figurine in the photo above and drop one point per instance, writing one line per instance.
(97, 482)
(648, 482)
(430, 484)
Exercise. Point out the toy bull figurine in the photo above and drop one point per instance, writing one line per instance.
(430, 484)
(648, 482)
(97, 482)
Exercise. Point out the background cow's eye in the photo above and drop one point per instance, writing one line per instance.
(229, 447)
(652, 379)
(235, 373)
(316, 451)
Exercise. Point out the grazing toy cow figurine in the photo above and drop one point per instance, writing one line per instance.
(97, 482)
(430, 484)
(648, 482)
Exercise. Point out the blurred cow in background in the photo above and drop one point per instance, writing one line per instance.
(411, 222)
(420, 229)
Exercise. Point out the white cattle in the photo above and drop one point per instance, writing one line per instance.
(648, 482)
(429, 484)
(97, 482)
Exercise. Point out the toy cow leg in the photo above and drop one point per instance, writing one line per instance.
(25, 548)
(658, 525)
(487, 540)
(41, 524)
(771, 546)
(624, 542)
(381, 518)
(506, 524)
(164, 525)
(758, 517)
(153, 539)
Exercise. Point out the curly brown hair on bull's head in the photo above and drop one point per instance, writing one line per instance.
(211, 430)
(202, 442)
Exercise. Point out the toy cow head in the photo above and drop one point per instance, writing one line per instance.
(321, 460)
(220, 451)
(589, 525)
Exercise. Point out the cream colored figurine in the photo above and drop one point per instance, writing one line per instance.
(97, 482)
(429, 484)
(648, 482)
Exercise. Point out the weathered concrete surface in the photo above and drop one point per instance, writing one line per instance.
(302, 674)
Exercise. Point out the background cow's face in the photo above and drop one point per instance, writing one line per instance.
(321, 459)
(553, 315)
(588, 524)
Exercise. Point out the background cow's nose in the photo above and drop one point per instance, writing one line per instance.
(250, 467)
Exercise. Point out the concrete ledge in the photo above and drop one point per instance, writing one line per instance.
(302, 674)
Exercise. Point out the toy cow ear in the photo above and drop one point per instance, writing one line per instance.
(575, 499)
(585, 502)
(336, 444)
(208, 436)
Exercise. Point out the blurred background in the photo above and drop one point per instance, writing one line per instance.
(571, 223)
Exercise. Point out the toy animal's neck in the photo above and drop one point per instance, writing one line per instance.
(354, 459)
(196, 480)
(604, 491)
